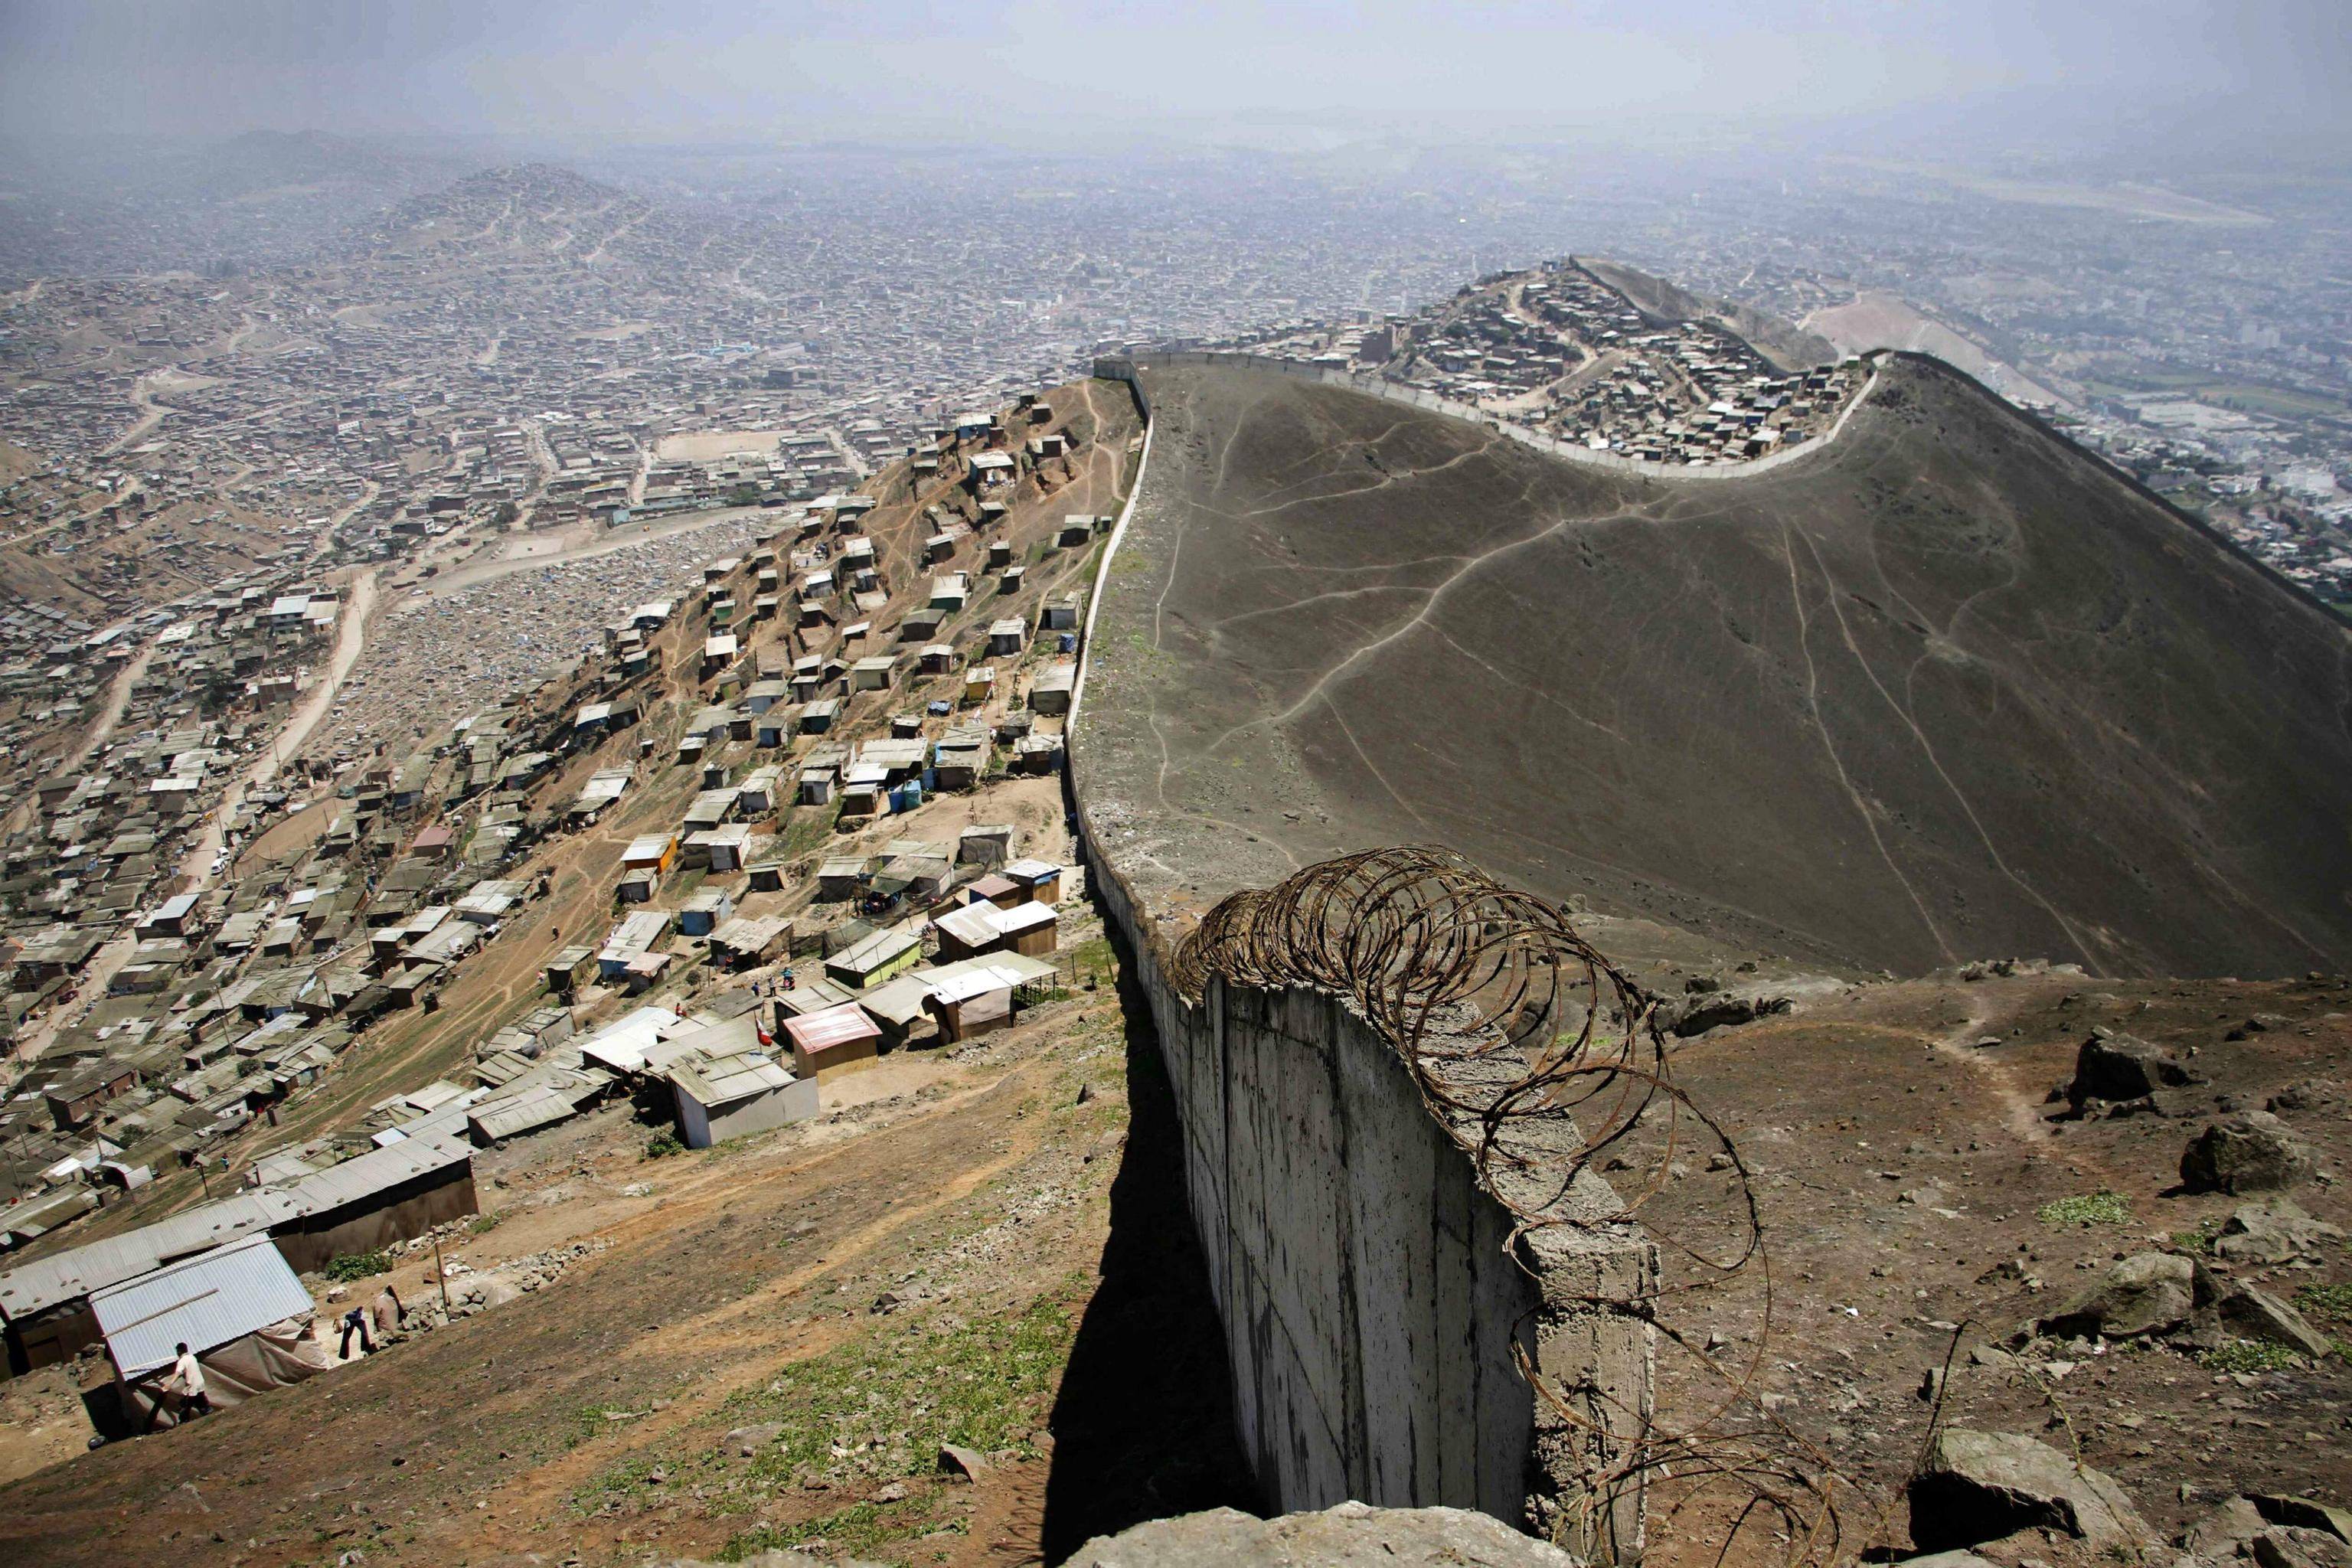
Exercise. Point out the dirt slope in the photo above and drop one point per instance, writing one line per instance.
(1945, 689)
(934, 1263)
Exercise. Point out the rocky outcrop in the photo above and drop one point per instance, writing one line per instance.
(2114, 1069)
(1976, 1486)
(2146, 1293)
(1345, 1536)
(2250, 1152)
(2274, 1231)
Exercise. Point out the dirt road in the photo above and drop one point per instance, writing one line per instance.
(587, 546)
(196, 868)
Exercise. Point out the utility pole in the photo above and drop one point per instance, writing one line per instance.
(441, 1272)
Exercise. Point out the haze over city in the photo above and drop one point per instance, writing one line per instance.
(1543, 784)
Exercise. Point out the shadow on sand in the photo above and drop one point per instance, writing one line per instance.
(1143, 1426)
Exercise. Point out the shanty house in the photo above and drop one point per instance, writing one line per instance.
(731, 1096)
(876, 959)
(239, 1308)
(830, 1038)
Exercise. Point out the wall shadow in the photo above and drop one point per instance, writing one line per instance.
(1143, 1426)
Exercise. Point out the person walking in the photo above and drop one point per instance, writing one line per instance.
(189, 1373)
(389, 1315)
(185, 1390)
(355, 1322)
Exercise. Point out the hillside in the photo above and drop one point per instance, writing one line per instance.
(1945, 690)
(528, 211)
(1788, 347)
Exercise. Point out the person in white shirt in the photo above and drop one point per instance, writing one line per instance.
(185, 1390)
(189, 1373)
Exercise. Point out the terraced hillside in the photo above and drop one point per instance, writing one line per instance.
(1945, 689)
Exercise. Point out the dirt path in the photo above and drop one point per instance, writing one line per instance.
(350, 640)
(110, 714)
(194, 871)
(601, 542)
(326, 538)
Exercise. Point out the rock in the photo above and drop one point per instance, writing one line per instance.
(2307, 1513)
(1981, 1486)
(2258, 1315)
(2146, 1293)
(2273, 1231)
(955, 1461)
(746, 1441)
(2290, 1546)
(1716, 1011)
(2219, 1532)
(1945, 1560)
(2252, 1152)
(1351, 1533)
(2115, 1067)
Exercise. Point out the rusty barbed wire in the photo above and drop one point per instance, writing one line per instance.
(1549, 1066)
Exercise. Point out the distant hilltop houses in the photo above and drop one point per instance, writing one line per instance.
(1559, 350)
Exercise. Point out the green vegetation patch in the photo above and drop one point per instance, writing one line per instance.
(662, 1145)
(2248, 1355)
(2199, 1237)
(874, 1409)
(2102, 1208)
(891, 1400)
(860, 1530)
(2329, 1303)
(353, 1266)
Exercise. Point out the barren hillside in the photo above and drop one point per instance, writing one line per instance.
(1943, 689)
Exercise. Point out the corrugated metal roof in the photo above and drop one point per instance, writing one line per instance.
(622, 1043)
(203, 1302)
(30, 1287)
(503, 1118)
(872, 953)
(712, 1082)
(372, 1172)
(831, 1027)
(970, 925)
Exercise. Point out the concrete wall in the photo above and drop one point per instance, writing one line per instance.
(1375, 1301)
(1372, 384)
(1375, 1305)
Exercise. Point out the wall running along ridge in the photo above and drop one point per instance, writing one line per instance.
(1372, 385)
(1381, 1304)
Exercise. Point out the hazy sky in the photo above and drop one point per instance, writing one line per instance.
(703, 69)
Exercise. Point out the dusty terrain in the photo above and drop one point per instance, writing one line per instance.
(1942, 690)
(925, 1264)
(1924, 1201)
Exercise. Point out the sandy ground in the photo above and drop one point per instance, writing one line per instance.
(705, 445)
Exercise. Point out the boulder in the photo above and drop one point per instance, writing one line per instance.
(746, 1441)
(2305, 1513)
(2250, 1152)
(2256, 1314)
(2218, 1533)
(1351, 1535)
(2274, 1231)
(2146, 1293)
(961, 1462)
(1716, 1011)
(2121, 1066)
(1976, 1486)
(2290, 1546)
